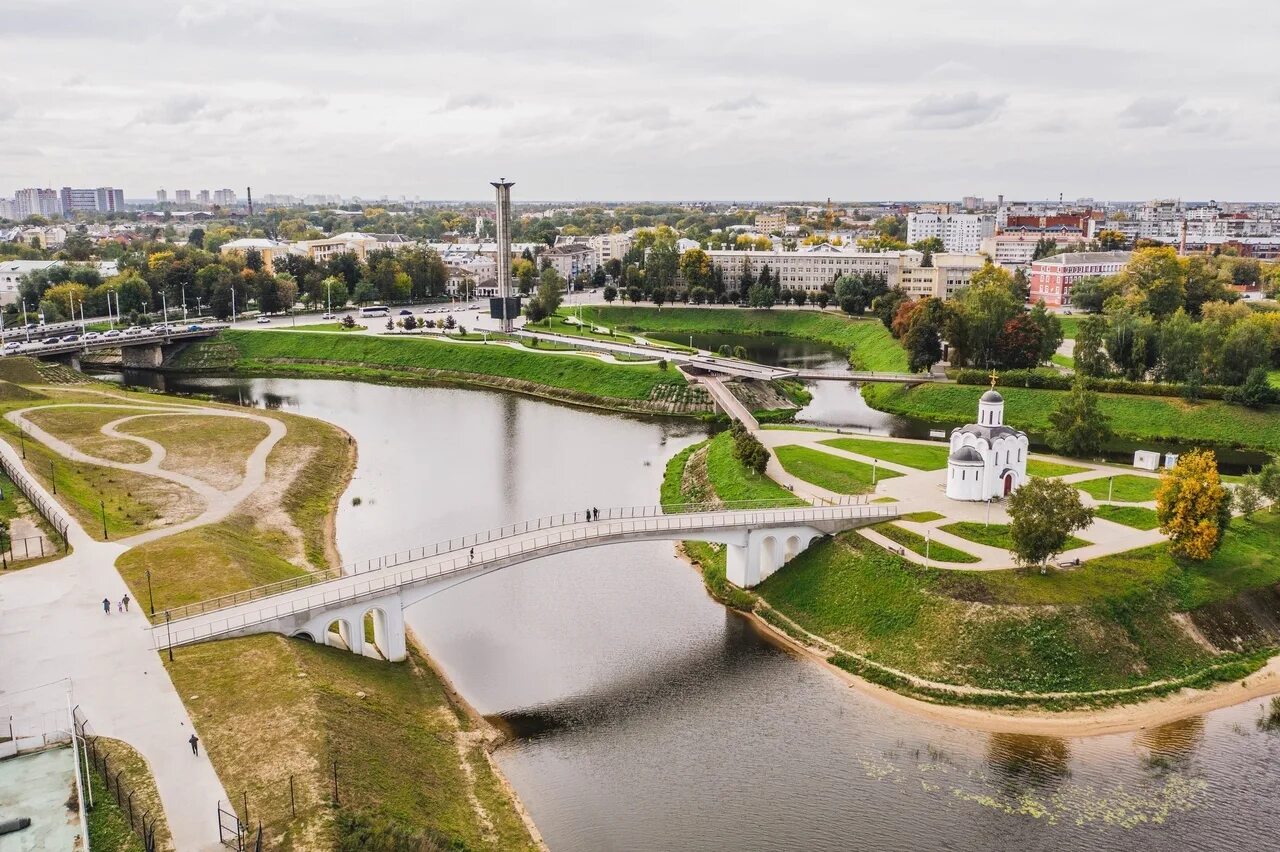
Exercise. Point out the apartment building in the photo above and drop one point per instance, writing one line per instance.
(1053, 277)
(609, 246)
(946, 273)
(267, 249)
(182, 196)
(356, 242)
(202, 197)
(104, 199)
(224, 197)
(771, 223)
(806, 269)
(37, 202)
(961, 233)
(569, 260)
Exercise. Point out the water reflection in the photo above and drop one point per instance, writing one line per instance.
(1022, 761)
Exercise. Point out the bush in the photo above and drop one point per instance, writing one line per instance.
(1256, 392)
(1053, 380)
(748, 449)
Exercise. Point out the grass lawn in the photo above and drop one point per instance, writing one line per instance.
(1046, 468)
(921, 456)
(732, 481)
(844, 476)
(995, 535)
(916, 542)
(940, 624)
(922, 517)
(81, 428)
(1070, 326)
(1137, 417)
(1138, 517)
(1274, 377)
(322, 326)
(210, 448)
(1128, 488)
(1063, 360)
(376, 356)
(269, 707)
(870, 343)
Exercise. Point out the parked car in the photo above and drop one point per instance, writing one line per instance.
(263, 320)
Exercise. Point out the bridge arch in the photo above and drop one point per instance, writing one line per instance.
(769, 555)
(793, 548)
(339, 634)
(374, 623)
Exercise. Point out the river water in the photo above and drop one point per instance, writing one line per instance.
(644, 716)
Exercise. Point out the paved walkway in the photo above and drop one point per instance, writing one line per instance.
(925, 491)
(53, 626)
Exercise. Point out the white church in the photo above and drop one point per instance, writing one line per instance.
(988, 459)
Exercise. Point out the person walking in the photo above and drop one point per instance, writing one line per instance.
(195, 744)
(595, 513)
(471, 557)
(120, 607)
(125, 600)
(106, 605)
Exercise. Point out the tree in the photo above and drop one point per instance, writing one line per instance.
(801, 296)
(1043, 514)
(885, 306)
(981, 311)
(1111, 240)
(1133, 343)
(1050, 330)
(610, 293)
(1045, 246)
(613, 268)
(1080, 429)
(857, 291)
(748, 449)
(1248, 496)
(1090, 354)
(1157, 278)
(1256, 392)
(695, 268)
(1180, 349)
(1020, 344)
(1269, 482)
(823, 299)
(547, 300)
(760, 296)
(1192, 506)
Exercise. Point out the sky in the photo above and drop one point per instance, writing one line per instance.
(701, 99)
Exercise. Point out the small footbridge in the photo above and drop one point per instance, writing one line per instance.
(339, 608)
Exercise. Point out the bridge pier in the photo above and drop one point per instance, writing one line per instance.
(142, 357)
(344, 627)
(764, 552)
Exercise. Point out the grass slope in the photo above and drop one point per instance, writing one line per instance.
(1138, 517)
(870, 343)
(841, 475)
(734, 482)
(920, 456)
(268, 351)
(1136, 417)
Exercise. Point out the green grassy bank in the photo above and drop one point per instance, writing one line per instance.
(868, 341)
(415, 360)
(1108, 625)
(1134, 417)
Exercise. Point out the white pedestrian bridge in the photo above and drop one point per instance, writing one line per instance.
(334, 607)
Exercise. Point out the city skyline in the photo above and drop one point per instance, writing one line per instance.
(711, 101)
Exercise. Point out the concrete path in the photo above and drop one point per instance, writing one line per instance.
(53, 626)
(729, 403)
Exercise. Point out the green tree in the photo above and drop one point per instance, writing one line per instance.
(1090, 353)
(982, 310)
(1180, 348)
(547, 300)
(1043, 514)
(1248, 496)
(1269, 483)
(1133, 344)
(1255, 392)
(1111, 240)
(1079, 428)
(1050, 330)
(761, 296)
(610, 293)
(856, 292)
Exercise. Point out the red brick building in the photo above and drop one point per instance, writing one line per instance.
(1053, 277)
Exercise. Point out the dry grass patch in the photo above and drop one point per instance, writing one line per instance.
(81, 427)
(211, 448)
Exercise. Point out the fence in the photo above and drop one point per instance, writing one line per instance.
(50, 510)
(31, 547)
(243, 824)
(112, 785)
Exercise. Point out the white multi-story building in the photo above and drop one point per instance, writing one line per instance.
(569, 260)
(37, 202)
(609, 246)
(8, 209)
(162, 197)
(946, 273)
(104, 199)
(224, 197)
(806, 269)
(182, 196)
(961, 233)
(202, 197)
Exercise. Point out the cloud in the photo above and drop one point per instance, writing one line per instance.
(474, 100)
(178, 109)
(8, 108)
(952, 112)
(749, 102)
(1150, 112)
(656, 117)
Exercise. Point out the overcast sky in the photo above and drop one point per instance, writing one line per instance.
(699, 99)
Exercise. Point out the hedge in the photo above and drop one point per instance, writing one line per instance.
(1053, 380)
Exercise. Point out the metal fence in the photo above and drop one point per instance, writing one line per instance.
(244, 823)
(50, 510)
(31, 547)
(112, 784)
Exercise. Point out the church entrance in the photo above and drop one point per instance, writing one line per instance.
(1008, 483)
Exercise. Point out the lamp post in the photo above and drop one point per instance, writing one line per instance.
(25, 326)
(987, 522)
(151, 600)
(875, 469)
(1111, 482)
(233, 304)
(22, 439)
(169, 634)
(102, 506)
(928, 538)
(53, 477)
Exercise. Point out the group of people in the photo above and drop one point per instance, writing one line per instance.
(122, 606)
(593, 514)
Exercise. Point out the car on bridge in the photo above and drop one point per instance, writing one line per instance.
(49, 341)
(71, 338)
(12, 346)
(263, 320)
(134, 331)
(113, 333)
(93, 335)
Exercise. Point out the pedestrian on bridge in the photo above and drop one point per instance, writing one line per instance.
(106, 605)
(195, 744)
(472, 555)
(596, 514)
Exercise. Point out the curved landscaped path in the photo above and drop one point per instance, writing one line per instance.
(54, 626)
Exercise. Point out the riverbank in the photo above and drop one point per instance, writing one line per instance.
(866, 340)
(1118, 630)
(275, 715)
(1140, 418)
(643, 388)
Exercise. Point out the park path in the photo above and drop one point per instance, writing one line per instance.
(54, 627)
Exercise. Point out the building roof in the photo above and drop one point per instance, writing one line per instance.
(989, 433)
(992, 395)
(966, 456)
(252, 243)
(1076, 258)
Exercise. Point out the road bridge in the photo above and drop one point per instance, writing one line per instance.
(333, 608)
(144, 349)
(868, 376)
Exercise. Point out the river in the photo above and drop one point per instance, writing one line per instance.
(644, 716)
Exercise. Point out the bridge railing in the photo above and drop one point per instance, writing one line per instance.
(377, 583)
(466, 542)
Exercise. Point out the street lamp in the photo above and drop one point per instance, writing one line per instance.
(928, 538)
(103, 507)
(150, 597)
(169, 633)
(1111, 481)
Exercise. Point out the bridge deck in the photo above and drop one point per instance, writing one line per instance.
(522, 544)
(148, 338)
(865, 376)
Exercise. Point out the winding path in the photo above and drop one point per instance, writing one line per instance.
(54, 627)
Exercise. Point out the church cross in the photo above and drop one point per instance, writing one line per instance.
(993, 378)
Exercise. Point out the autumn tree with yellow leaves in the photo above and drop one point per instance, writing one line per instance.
(1192, 505)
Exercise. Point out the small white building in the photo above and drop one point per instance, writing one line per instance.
(988, 459)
